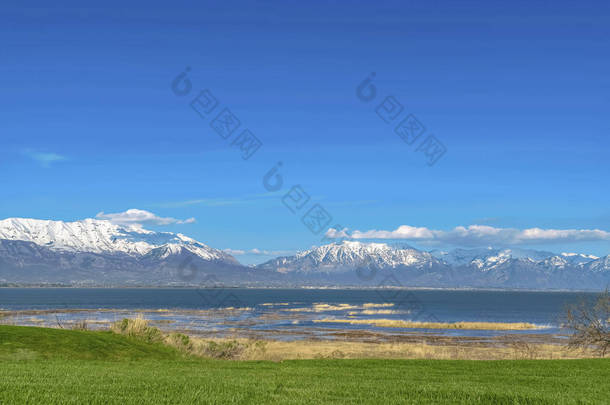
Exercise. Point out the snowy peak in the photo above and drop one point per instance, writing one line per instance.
(100, 252)
(600, 265)
(337, 257)
(87, 235)
(100, 236)
(488, 256)
(350, 254)
(357, 253)
(578, 258)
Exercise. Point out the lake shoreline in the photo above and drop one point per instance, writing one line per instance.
(297, 288)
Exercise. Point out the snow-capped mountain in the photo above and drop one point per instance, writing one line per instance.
(578, 258)
(601, 265)
(489, 256)
(100, 252)
(99, 236)
(371, 263)
(338, 257)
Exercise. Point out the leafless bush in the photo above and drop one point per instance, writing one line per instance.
(590, 324)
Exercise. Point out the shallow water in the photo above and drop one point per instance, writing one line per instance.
(287, 313)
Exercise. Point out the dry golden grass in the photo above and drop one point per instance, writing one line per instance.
(374, 305)
(397, 323)
(321, 307)
(139, 328)
(135, 326)
(275, 350)
(307, 349)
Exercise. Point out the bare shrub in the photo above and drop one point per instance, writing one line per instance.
(590, 325)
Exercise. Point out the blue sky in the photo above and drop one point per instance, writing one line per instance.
(518, 93)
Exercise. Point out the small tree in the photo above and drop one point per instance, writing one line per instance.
(590, 324)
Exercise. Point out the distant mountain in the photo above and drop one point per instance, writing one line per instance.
(601, 265)
(340, 257)
(97, 236)
(97, 252)
(458, 257)
(371, 264)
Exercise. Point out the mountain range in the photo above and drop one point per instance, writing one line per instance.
(99, 253)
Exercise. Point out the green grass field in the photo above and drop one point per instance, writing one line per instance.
(63, 366)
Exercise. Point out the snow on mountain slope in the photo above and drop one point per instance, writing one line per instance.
(336, 257)
(485, 257)
(578, 258)
(98, 252)
(374, 264)
(349, 254)
(100, 236)
(600, 265)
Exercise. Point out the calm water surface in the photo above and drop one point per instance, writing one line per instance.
(290, 311)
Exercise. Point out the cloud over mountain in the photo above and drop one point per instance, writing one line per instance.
(476, 235)
(136, 217)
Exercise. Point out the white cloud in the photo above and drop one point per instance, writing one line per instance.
(45, 159)
(476, 235)
(137, 217)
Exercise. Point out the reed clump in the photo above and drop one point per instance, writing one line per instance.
(227, 349)
(138, 328)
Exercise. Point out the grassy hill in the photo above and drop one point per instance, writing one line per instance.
(40, 365)
(23, 342)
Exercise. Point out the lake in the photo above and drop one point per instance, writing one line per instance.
(288, 313)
